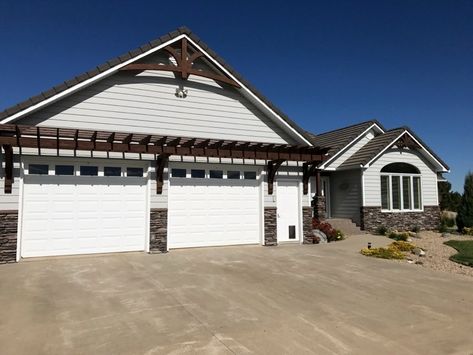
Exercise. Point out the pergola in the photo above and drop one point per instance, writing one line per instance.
(161, 146)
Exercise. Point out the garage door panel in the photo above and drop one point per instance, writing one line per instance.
(65, 216)
(213, 212)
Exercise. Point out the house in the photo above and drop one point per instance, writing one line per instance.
(168, 147)
(378, 177)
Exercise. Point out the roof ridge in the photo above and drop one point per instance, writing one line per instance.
(373, 121)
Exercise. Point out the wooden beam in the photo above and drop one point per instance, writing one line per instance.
(8, 168)
(318, 183)
(161, 162)
(307, 171)
(273, 166)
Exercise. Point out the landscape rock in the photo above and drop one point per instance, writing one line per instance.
(418, 252)
(320, 235)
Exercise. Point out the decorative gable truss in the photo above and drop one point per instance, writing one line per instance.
(183, 60)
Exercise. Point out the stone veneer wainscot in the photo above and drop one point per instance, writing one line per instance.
(158, 236)
(372, 218)
(270, 226)
(8, 236)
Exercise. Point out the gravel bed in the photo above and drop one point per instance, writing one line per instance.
(437, 253)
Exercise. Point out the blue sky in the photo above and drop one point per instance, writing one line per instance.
(325, 63)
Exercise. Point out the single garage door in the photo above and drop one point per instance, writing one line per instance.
(70, 208)
(212, 207)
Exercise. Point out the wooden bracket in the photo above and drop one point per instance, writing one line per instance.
(184, 65)
(308, 170)
(273, 166)
(161, 162)
(8, 168)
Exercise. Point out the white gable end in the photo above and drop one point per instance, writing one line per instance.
(147, 103)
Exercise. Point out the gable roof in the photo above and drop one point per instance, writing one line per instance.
(33, 103)
(370, 151)
(337, 140)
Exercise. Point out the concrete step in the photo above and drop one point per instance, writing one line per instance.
(346, 225)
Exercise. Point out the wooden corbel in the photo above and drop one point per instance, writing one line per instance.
(161, 162)
(273, 166)
(8, 168)
(308, 170)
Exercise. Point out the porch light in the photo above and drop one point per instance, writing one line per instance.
(181, 93)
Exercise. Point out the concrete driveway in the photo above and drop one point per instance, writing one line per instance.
(322, 299)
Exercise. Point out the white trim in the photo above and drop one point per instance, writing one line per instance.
(152, 50)
(401, 191)
(344, 149)
(363, 198)
(148, 208)
(367, 165)
(20, 212)
(87, 82)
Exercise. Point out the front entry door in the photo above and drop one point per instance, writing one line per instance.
(288, 211)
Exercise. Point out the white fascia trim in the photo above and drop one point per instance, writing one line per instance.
(367, 165)
(323, 166)
(118, 66)
(87, 82)
(255, 97)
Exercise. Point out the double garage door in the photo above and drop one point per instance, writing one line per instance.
(70, 208)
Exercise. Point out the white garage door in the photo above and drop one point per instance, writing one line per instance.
(75, 209)
(212, 207)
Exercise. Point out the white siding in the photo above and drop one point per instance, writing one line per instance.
(9, 201)
(372, 177)
(345, 196)
(351, 150)
(146, 103)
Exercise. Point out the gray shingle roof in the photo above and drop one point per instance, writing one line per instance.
(372, 148)
(378, 143)
(135, 52)
(337, 139)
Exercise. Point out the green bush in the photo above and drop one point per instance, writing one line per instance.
(381, 230)
(443, 227)
(415, 229)
(448, 222)
(465, 211)
(399, 235)
(467, 231)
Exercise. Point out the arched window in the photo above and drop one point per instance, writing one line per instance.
(402, 168)
(400, 187)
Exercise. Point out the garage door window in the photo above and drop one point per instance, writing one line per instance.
(112, 171)
(38, 169)
(178, 173)
(134, 172)
(216, 174)
(234, 175)
(64, 170)
(250, 175)
(198, 173)
(89, 170)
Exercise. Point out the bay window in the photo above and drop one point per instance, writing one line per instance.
(400, 188)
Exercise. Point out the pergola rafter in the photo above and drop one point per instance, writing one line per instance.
(58, 139)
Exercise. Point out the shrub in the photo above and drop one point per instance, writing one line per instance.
(332, 234)
(467, 231)
(447, 221)
(399, 235)
(415, 229)
(381, 230)
(402, 246)
(465, 211)
(383, 253)
(443, 227)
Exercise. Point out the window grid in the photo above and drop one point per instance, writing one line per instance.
(414, 187)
